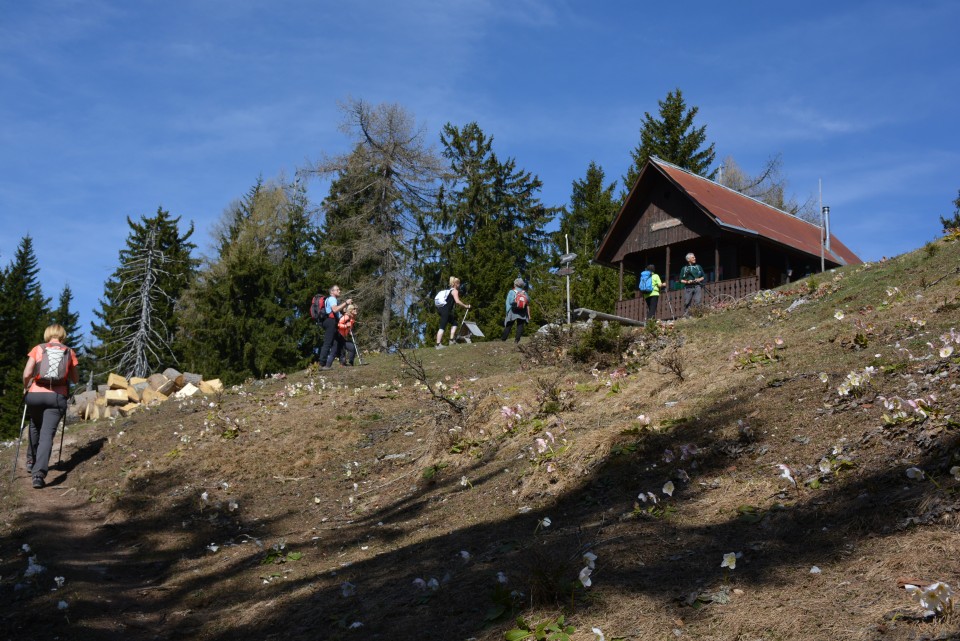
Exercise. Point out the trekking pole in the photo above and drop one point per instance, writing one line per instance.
(63, 428)
(16, 457)
(359, 360)
(462, 321)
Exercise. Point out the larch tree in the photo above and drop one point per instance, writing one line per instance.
(137, 314)
(768, 186)
(672, 136)
(379, 191)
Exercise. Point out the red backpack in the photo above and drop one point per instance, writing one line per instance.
(521, 301)
(316, 306)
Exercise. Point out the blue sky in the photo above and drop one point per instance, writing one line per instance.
(112, 109)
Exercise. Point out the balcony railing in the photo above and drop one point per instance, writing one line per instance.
(671, 302)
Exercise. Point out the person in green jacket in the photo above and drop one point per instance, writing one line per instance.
(651, 297)
(692, 277)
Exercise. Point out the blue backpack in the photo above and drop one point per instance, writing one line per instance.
(646, 282)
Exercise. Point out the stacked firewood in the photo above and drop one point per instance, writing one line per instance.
(120, 396)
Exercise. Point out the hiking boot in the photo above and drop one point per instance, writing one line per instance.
(440, 346)
(29, 465)
(38, 482)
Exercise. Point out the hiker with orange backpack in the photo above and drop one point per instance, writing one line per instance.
(518, 310)
(345, 344)
(51, 367)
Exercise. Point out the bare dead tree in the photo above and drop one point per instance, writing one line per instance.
(413, 368)
(381, 186)
(141, 337)
(768, 186)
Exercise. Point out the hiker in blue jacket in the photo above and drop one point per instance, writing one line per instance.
(332, 308)
(518, 310)
(649, 278)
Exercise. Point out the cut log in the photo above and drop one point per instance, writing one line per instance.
(101, 401)
(193, 379)
(132, 395)
(117, 397)
(174, 376)
(140, 387)
(157, 381)
(102, 389)
(150, 395)
(91, 412)
(84, 398)
(162, 384)
(115, 381)
(187, 391)
(211, 387)
(129, 409)
(108, 412)
(134, 380)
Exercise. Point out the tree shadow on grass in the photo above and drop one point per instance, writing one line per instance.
(597, 514)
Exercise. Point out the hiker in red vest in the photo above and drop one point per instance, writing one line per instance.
(51, 367)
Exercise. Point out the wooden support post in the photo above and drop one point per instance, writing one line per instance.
(620, 286)
(666, 273)
(716, 259)
(756, 245)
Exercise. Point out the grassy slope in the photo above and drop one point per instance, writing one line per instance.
(334, 468)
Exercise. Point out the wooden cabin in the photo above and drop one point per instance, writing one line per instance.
(743, 245)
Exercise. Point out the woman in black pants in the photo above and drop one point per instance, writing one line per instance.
(331, 315)
(51, 367)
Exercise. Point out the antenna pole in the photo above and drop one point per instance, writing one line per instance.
(822, 264)
(566, 239)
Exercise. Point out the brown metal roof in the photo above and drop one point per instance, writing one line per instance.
(732, 209)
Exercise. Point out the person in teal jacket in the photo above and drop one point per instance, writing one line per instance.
(692, 277)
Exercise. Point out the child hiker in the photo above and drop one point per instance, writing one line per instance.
(346, 346)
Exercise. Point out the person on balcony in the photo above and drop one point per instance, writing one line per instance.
(650, 285)
(691, 277)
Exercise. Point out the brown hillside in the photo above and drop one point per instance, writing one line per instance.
(357, 505)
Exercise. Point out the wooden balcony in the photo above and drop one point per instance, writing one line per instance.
(671, 302)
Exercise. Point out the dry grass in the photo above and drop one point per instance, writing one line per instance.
(371, 480)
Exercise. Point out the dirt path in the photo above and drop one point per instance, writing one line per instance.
(103, 583)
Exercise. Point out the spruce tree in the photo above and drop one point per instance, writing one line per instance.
(592, 210)
(137, 313)
(247, 313)
(489, 229)
(950, 224)
(24, 313)
(672, 137)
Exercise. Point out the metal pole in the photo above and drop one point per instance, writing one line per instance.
(822, 263)
(16, 456)
(566, 239)
(359, 360)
